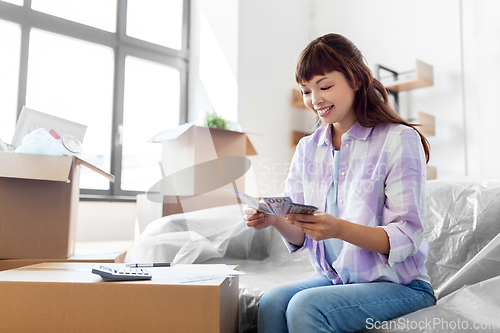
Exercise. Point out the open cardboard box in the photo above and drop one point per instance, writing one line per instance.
(39, 197)
(67, 297)
(188, 149)
(81, 255)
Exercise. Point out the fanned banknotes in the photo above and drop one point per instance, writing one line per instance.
(275, 205)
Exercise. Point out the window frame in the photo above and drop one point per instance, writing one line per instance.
(123, 46)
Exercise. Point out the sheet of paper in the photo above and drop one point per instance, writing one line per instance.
(192, 273)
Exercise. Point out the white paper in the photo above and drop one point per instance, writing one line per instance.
(192, 273)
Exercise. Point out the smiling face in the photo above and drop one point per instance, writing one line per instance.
(331, 97)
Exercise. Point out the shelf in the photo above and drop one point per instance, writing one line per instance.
(431, 173)
(296, 99)
(428, 124)
(424, 78)
(296, 136)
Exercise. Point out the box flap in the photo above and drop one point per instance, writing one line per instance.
(32, 166)
(250, 148)
(171, 134)
(175, 133)
(96, 169)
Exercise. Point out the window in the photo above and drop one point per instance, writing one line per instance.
(148, 86)
(10, 39)
(119, 67)
(79, 76)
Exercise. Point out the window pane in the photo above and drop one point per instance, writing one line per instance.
(156, 21)
(72, 79)
(95, 13)
(151, 105)
(10, 39)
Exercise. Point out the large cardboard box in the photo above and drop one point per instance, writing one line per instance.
(80, 255)
(67, 297)
(39, 196)
(193, 163)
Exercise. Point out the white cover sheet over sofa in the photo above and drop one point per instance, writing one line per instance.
(462, 221)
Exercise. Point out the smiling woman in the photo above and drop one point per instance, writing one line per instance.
(366, 240)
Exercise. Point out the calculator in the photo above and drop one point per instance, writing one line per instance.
(121, 274)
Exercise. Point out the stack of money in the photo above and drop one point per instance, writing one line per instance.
(275, 205)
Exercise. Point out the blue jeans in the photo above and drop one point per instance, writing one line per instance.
(316, 305)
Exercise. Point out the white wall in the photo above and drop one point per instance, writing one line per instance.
(272, 34)
(481, 51)
(396, 33)
(105, 221)
(259, 41)
(459, 38)
(213, 67)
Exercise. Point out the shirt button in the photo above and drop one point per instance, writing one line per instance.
(346, 145)
(342, 173)
(341, 201)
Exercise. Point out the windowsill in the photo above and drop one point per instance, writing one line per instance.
(108, 198)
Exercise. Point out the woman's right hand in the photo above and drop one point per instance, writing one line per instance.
(256, 219)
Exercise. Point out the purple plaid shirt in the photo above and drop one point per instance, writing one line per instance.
(382, 174)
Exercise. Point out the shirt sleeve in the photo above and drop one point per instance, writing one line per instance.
(292, 248)
(403, 211)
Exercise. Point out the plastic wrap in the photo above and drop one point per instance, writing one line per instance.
(40, 141)
(462, 226)
(462, 217)
(198, 236)
(472, 308)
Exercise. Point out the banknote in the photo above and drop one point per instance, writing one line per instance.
(295, 208)
(275, 205)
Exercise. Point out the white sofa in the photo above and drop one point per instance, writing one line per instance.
(462, 222)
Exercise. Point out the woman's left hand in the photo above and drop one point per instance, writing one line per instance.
(318, 226)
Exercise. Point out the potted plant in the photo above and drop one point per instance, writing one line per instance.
(214, 120)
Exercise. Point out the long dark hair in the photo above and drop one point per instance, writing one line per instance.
(334, 52)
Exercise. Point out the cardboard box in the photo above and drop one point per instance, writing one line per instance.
(39, 196)
(191, 159)
(185, 204)
(69, 298)
(148, 211)
(104, 256)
